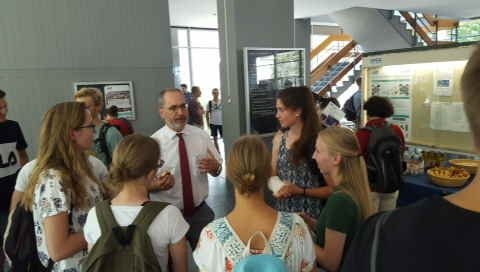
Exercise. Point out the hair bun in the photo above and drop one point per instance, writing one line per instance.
(249, 178)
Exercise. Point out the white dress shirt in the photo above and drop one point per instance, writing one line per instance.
(197, 143)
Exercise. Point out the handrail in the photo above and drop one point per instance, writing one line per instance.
(419, 30)
(327, 42)
(439, 23)
(321, 70)
(340, 75)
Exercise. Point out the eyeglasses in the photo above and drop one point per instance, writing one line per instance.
(175, 108)
(91, 126)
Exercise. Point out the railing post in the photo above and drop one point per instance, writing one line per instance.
(415, 38)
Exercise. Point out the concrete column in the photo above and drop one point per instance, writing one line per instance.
(303, 33)
(247, 23)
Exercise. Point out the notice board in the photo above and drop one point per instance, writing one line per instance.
(431, 111)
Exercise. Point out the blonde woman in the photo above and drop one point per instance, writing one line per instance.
(338, 157)
(133, 172)
(63, 187)
(223, 241)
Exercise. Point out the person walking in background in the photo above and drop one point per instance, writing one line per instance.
(338, 157)
(122, 124)
(353, 106)
(195, 109)
(13, 156)
(223, 241)
(190, 154)
(214, 116)
(304, 189)
(106, 136)
(188, 95)
(63, 187)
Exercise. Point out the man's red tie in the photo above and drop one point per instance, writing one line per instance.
(188, 205)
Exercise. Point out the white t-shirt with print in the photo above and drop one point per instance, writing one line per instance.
(50, 199)
(98, 168)
(167, 228)
(215, 112)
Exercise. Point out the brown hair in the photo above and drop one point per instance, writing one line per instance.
(57, 151)
(248, 166)
(134, 157)
(353, 171)
(471, 94)
(94, 93)
(378, 106)
(302, 98)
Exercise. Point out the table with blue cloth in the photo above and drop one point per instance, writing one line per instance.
(418, 187)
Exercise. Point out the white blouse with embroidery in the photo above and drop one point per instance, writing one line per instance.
(220, 248)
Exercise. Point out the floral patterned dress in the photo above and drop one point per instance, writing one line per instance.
(51, 199)
(302, 176)
(219, 247)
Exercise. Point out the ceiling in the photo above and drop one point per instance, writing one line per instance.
(195, 13)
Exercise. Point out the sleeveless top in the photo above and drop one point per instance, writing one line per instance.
(301, 175)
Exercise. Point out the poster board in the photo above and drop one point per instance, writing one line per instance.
(437, 118)
(266, 72)
(118, 93)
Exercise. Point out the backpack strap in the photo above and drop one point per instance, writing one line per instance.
(374, 251)
(105, 216)
(148, 213)
(102, 140)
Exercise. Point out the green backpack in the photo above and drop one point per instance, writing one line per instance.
(124, 248)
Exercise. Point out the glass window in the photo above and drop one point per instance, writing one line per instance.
(179, 37)
(181, 66)
(204, 38)
(206, 71)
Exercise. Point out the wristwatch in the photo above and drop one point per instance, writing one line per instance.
(219, 169)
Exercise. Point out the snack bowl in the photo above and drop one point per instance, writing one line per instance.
(467, 164)
(448, 176)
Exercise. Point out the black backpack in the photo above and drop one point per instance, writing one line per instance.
(349, 110)
(102, 141)
(129, 124)
(21, 243)
(384, 161)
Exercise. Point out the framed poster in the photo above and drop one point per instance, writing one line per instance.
(118, 93)
(267, 71)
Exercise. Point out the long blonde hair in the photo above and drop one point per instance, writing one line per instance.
(352, 169)
(57, 151)
(248, 165)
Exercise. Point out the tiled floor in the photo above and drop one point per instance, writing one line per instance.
(221, 196)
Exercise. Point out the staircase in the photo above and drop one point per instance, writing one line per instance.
(420, 29)
(380, 30)
(338, 69)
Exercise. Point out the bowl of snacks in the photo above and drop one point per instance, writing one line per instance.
(448, 176)
(469, 165)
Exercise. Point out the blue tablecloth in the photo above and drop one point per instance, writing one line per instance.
(418, 187)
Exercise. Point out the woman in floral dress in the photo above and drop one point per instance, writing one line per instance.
(223, 241)
(292, 152)
(63, 187)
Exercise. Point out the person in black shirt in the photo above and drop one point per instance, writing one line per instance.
(13, 156)
(438, 234)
